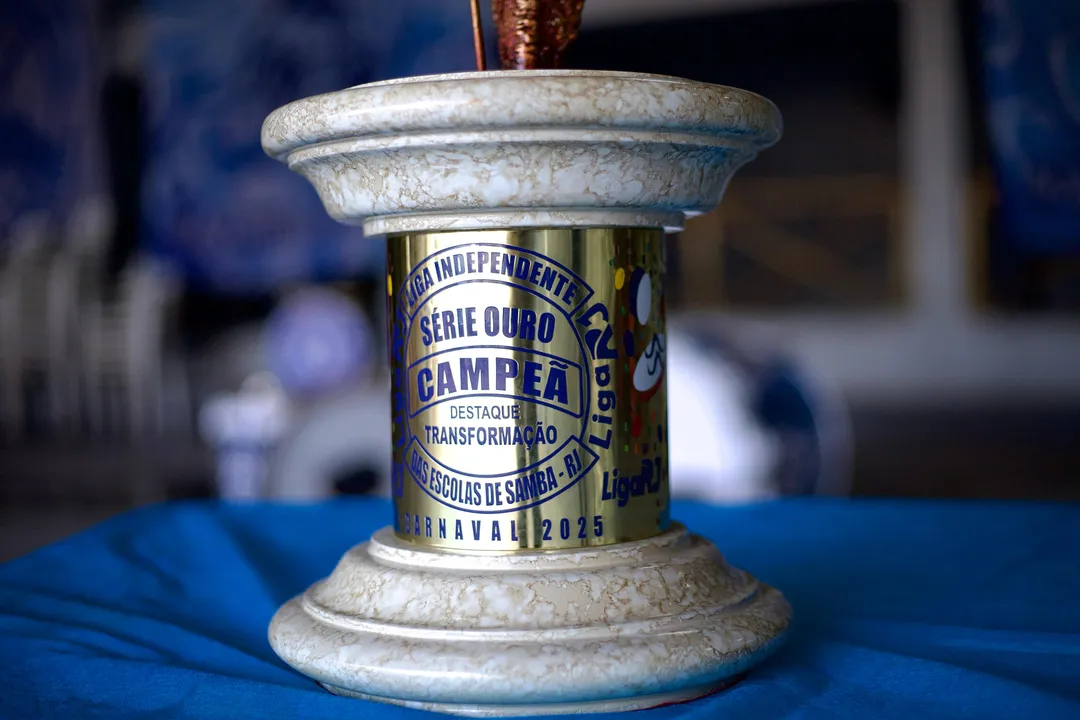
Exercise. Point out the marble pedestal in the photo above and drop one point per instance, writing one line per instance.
(622, 627)
(614, 627)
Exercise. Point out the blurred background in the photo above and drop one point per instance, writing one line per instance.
(886, 303)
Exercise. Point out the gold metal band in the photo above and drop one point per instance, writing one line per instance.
(529, 399)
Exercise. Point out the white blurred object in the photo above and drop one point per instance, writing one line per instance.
(320, 344)
(748, 421)
(244, 428)
(718, 451)
(346, 431)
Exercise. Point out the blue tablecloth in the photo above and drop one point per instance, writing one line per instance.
(903, 609)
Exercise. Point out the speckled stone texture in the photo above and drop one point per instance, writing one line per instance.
(539, 148)
(620, 627)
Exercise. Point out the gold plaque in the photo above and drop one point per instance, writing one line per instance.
(529, 400)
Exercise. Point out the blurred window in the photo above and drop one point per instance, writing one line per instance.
(814, 221)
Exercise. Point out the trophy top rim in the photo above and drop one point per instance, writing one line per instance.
(519, 99)
(482, 75)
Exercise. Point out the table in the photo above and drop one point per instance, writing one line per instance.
(905, 609)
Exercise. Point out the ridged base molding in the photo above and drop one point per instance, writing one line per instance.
(622, 627)
(641, 702)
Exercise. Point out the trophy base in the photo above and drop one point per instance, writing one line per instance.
(619, 627)
(643, 702)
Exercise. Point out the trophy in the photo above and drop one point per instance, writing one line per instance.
(532, 566)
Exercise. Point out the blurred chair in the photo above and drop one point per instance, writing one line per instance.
(43, 287)
(75, 281)
(124, 348)
(24, 327)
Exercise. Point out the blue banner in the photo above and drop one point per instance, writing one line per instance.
(1031, 61)
(233, 219)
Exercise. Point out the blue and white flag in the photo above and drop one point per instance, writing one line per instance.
(234, 220)
(1031, 62)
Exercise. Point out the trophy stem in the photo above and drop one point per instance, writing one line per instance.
(528, 395)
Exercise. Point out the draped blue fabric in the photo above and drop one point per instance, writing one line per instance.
(1031, 64)
(903, 609)
(50, 144)
(234, 220)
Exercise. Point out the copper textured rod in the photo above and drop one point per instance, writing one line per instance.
(478, 36)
